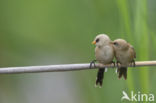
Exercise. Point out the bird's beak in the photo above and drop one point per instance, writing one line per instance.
(94, 42)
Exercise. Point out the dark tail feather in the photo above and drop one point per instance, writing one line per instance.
(122, 71)
(100, 76)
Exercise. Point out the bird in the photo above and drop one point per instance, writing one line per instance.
(125, 55)
(104, 54)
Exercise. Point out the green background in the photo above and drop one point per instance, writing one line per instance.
(43, 32)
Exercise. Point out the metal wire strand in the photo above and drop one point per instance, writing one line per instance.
(65, 67)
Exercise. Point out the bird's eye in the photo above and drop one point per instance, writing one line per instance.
(97, 40)
(115, 43)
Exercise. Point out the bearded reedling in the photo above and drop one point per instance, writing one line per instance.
(104, 54)
(125, 55)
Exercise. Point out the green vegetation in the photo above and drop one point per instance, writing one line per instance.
(61, 31)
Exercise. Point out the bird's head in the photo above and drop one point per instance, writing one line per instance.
(101, 40)
(120, 44)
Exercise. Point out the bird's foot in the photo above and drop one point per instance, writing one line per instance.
(133, 63)
(92, 63)
(113, 63)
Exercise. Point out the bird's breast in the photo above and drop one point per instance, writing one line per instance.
(104, 55)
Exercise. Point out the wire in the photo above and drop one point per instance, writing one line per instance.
(64, 67)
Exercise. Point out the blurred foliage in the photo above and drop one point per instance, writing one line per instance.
(37, 32)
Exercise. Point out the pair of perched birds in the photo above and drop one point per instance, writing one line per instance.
(106, 50)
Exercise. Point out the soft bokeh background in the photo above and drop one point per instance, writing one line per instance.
(43, 32)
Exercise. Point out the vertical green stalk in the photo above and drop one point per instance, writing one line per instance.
(141, 32)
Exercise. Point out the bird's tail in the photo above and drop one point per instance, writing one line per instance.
(100, 76)
(122, 71)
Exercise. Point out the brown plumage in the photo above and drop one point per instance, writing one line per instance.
(125, 55)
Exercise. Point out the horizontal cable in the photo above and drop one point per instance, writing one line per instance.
(64, 67)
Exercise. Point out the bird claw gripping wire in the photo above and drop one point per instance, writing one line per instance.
(133, 63)
(92, 62)
(113, 63)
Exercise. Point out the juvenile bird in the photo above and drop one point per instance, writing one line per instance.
(104, 53)
(124, 54)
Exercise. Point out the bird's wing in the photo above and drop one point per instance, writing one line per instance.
(133, 51)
